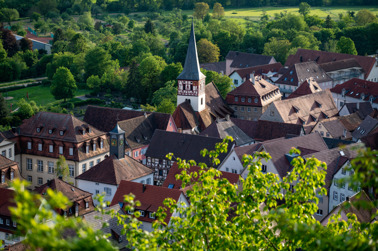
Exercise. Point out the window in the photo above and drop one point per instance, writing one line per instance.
(136, 153)
(335, 196)
(61, 133)
(84, 167)
(272, 113)
(263, 168)
(50, 131)
(141, 213)
(327, 134)
(97, 191)
(40, 166)
(201, 101)
(30, 178)
(86, 204)
(97, 183)
(343, 171)
(234, 171)
(255, 109)
(236, 82)
(29, 145)
(39, 146)
(70, 151)
(71, 170)
(101, 144)
(1, 221)
(227, 169)
(335, 182)
(249, 100)
(50, 166)
(40, 181)
(60, 149)
(51, 148)
(87, 148)
(322, 133)
(319, 212)
(148, 181)
(151, 215)
(236, 99)
(10, 153)
(249, 109)
(4, 153)
(160, 172)
(3, 178)
(91, 164)
(14, 224)
(98, 161)
(142, 182)
(342, 197)
(38, 129)
(7, 222)
(108, 191)
(12, 175)
(235, 108)
(320, 199)
(94, 146)
(256, 100)
(243, 99)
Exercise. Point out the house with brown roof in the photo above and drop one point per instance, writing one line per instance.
(333, 128)
(338, 164)
(39, 43)
(7, 147)
(239, 60)
(197, 104)
(173, 183)
(296, 74)
(8, 226)
(304, 110)
(343, 70)
(221, 128)
(359, 204)
(307, 87)
(251, 99)
(81, 200)
(368, 125)
(46, 136)
(267, 72)
(184, 146)
(368, 64)
(361, 109)
(8, 171)
(151, 198)
(279, 151)
(356, 91)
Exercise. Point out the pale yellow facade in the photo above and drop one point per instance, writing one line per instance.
(321, 130)
(38, 176)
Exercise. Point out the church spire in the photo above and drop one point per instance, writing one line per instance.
(191, 67)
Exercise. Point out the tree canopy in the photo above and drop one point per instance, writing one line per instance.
(63, 85)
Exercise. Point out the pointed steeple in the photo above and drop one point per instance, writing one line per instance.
(191, 67)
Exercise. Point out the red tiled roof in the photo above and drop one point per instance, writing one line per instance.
(150, 197)
(259, 70)
(6, 201)
(112, 170)
(355, 87)
(340, 65)
(307, 87)
(171, 177)
(304, 55)
(45, 40)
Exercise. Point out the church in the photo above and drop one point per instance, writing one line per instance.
(198, 104)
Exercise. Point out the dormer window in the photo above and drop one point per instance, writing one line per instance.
(256, 100)
(94, 146)
(236, 99)
(101, 144)
(38, 129)
(70, 151)
(89, 130)
(243, 99)
(141, 213)
(86, 204)
(87, 148)
(151, 215)
(61, 133)
(51, 148)
(249, 100)
(11, 175)
(60, 149)
(83, 131)
(296, 109)
(2, 177)
(39, 146)
(50, 131)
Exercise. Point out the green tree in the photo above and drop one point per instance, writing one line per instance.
(201, 9)
(63, 85)
(62, 169)
(58, 35)
(25, 110)
(97, 62)
(3, 108)
(346, 45)
(45, 6)
(171, 72)
(131, 24)
(207, 51)
(222, 82)
(78, 44)
(94, 83)
(150, 69)
(133, 86)
(329, 23)
(9, 42)
(168, 92)
(279, 49)
(86, 21)
(3, 52)
(26, 44)
(8, 15)
(218, 10)
(148, 108)
(166, 106)
(304, 9)
(149, 26)
(364, 17)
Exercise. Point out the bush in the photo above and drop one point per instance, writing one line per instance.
(46, 82)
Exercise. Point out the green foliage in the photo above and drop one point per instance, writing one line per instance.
(46, 6)
(207, 51)
(168, 92)
(62, 169)
(8, 15)
(364, 17)
(63, 85)
(3, 109)
(94, 83)
(218, 10)
(171, 72)
(304, 9)
(222, 82)
(279, 49)
(346, 45)
(97, 62)
(149, 26)
(25, 109)
(86, 21)
(148, 108)
(200, 10)
(166, 106)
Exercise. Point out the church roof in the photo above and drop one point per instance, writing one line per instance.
(191, 67)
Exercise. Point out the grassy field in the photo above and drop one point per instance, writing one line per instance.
(40, 94)
(323, 12)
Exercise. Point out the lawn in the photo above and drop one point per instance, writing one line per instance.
(40, 94)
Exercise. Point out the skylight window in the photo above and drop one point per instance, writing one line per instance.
(171, 186)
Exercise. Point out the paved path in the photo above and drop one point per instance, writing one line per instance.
(32, 81)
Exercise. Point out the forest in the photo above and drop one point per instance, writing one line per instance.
(134, 58)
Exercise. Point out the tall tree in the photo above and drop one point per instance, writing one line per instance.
(364, 17)
(304, 8)
(8, 15)
(169, 92)
(279, 49)
(218, 11)
(346, 45)
(45, 6)
(25, 110)
(26, 44)
(63, 85)
(62, 169)
(207, 51)
(166, 106)
(149, 26)
(97, 62)
(3, 108)
(201, 9)
(133, 87)
(9, 42)
(58, 35)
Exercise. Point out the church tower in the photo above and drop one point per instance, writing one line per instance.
(117, 142)
(191, 81)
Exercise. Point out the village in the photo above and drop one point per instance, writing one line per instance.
(322, 103)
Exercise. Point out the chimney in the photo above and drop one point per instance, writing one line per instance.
(60, 177)
(145, 115)
(144, 187)
(228, 117)
(179, 130)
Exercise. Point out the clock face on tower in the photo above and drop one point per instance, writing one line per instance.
(121, 142)
(114, 142)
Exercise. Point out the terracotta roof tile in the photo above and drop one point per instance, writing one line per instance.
(307, 87)
(304, 55)
(150, 197)
(258, 70)
(355, 88)
(351, 121)
(112, 170)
